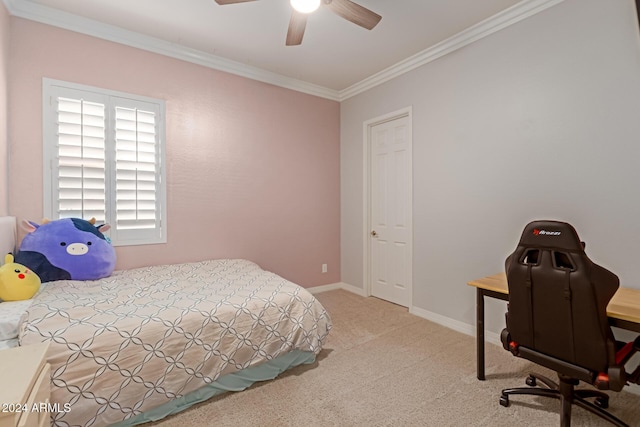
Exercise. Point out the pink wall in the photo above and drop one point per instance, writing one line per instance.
(4, 66)
(252, 169)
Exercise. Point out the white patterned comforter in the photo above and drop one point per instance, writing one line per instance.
(135, 340)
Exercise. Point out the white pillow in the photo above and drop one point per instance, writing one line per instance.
(12, 314)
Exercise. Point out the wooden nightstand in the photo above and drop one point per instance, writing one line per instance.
(24, 397)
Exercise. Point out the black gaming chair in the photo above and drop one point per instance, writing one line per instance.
(557, 318)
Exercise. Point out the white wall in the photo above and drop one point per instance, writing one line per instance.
(540, 120)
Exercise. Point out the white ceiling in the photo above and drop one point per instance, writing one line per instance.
(335, 54)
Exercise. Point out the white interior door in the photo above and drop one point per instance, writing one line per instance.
(390, 210)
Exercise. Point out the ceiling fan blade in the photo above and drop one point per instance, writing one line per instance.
(223, 2)
(354, 12)
(297, 24)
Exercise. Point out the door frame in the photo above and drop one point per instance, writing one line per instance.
(366, 203)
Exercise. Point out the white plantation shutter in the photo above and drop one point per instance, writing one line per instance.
(136, 168)
(103, 159)
(81, 159)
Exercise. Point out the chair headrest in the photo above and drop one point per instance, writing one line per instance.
(551, 234)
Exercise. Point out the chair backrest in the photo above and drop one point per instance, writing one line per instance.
(558, 297)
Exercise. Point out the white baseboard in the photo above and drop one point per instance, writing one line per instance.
(456, 325)
(354, 289)
(339, 285)
(325, 288)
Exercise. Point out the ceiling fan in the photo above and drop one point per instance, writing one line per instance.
(301, 8)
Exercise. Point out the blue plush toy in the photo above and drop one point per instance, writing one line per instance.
(68, 248)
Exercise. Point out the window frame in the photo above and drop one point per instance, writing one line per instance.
(53, 88)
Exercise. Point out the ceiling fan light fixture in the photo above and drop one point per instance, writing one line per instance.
(305, 6)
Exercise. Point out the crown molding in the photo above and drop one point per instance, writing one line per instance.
(506, 18)
(68, 21)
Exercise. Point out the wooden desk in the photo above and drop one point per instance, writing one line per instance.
(623, 309)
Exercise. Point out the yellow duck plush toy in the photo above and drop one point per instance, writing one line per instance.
(17, 282)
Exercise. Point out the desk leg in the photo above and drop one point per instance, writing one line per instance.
(480, 332)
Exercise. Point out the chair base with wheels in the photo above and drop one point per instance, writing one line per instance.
(567, 394)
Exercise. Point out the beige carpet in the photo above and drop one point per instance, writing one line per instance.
(382, 366)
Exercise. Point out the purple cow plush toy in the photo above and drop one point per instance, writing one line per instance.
(68, 248)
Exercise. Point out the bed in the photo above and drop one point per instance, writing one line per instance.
(148, 342)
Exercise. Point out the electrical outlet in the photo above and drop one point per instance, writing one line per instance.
(324, 268)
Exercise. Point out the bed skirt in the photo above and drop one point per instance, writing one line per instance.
(236, 381)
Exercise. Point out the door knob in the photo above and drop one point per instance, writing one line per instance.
(374, 233)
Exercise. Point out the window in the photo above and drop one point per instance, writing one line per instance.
(104, 159)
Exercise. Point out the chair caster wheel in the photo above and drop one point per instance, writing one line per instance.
(601, 402)
(531, 381)
(504, 400)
